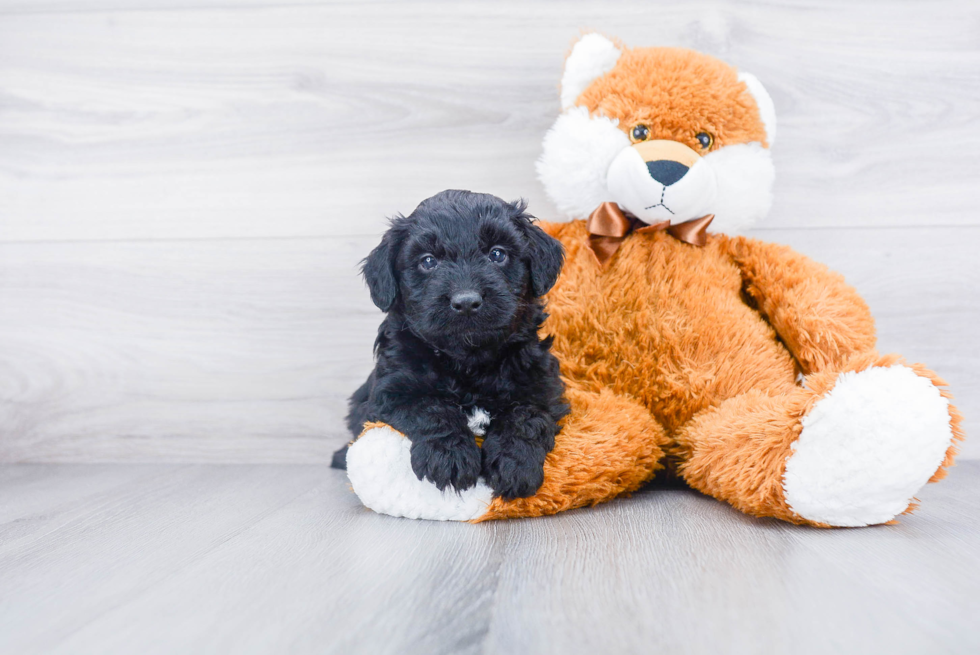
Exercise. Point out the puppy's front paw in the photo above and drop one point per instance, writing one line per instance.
(515, 472)
(447, 461)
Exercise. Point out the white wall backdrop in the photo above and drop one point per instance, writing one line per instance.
(186, 188)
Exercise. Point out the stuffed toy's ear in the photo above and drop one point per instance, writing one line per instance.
(767, 110)
(592, 56)
(545, 255)
(378, 270)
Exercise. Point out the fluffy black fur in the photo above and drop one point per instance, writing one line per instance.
(461, 280)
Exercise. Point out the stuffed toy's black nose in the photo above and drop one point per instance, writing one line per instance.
(666, 171)
(466, 302)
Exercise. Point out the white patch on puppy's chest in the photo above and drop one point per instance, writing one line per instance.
(478, 421)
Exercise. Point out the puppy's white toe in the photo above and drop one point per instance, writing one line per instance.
(379, 466)
(867, 447)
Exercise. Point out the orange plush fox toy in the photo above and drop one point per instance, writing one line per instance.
(741, 366)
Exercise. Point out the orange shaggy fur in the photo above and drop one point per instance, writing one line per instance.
(684, 357)
(694, 352)
(677, 93)
(603, 427)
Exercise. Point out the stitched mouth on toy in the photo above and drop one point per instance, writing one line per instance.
(663, 192)
(660, 204)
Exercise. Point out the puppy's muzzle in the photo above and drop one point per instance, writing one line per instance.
(466, 302)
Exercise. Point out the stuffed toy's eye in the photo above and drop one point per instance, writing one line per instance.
(705, 140)
(428, 262)
(498, 255)
(640, 133)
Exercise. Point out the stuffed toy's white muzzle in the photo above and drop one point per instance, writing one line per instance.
(662, 180)
(588, 160)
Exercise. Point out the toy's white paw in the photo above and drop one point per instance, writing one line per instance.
(379, 466)
(867, 447)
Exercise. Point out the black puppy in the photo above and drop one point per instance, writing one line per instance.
(461, 280)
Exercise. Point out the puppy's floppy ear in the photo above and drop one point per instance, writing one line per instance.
(378, 269)
(545, 255)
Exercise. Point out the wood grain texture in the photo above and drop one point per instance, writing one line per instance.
(214, 350)
(275, 559)
(154, 120)
(185, 190)
(245, 351)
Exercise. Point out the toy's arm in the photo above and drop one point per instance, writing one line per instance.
(820, 318)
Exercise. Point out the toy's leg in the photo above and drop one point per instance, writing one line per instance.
(608, 446)
(851, 448)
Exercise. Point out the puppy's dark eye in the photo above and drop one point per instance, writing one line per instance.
(428, 262)
(705, 140)
(498, 255)
(639, 133)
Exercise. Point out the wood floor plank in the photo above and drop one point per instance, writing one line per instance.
(925, 569)
(281, 558)
(672, 571)
(321, 575)
(221, 120)
(39, 499)
(97, 554)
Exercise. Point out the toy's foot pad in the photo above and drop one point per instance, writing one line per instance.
(867, 447)
(379, 466)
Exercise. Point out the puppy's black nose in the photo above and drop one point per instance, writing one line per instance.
(666, 171)
(466, 302)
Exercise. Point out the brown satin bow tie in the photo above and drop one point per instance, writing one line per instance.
(608, 225)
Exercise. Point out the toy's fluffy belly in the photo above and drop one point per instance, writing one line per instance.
(665, 323)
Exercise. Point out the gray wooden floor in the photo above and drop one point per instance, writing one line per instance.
(130, 558)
